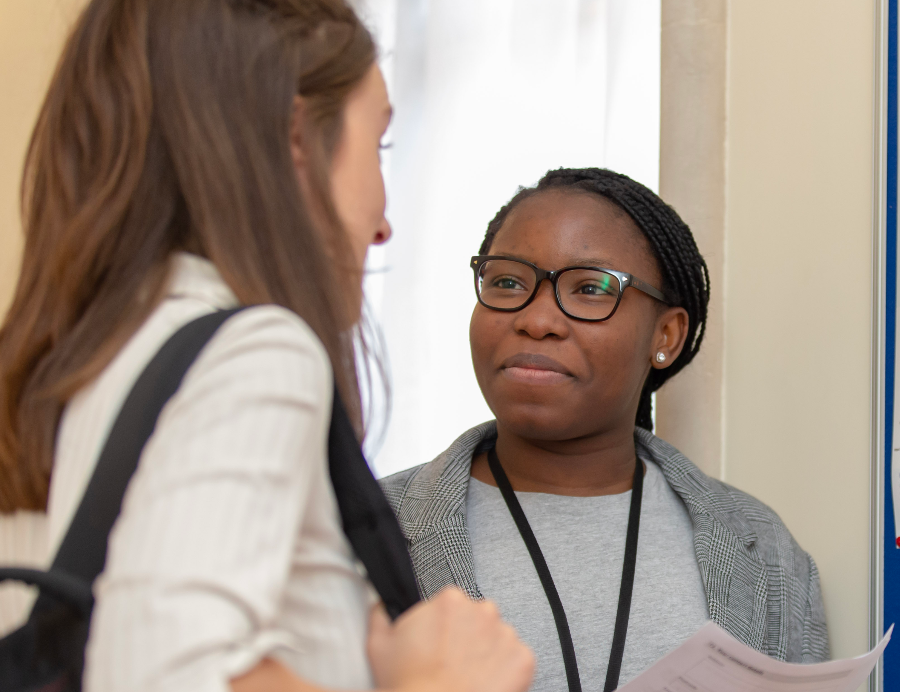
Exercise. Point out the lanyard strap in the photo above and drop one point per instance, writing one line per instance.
(540, 564)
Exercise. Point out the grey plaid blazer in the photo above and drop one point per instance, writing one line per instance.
(760, 585)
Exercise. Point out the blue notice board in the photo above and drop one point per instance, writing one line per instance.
(889, 583)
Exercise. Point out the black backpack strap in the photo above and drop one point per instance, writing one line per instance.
(83, 550)
(59, 585)
(368, 519)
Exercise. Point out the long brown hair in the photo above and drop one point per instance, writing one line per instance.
(166, 127)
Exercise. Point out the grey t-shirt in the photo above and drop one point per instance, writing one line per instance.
(583, 541)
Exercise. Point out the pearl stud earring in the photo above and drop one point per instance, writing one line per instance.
(660, 357)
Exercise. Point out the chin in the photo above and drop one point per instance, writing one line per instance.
(541, 421)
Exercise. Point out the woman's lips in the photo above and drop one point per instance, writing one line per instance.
(535, 368)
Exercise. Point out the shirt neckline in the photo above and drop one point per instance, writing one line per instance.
(650, 480)
(192, 276)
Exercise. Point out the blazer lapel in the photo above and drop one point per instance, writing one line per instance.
(735, 577)
(433, 516)
(735, 580)
(443, 557)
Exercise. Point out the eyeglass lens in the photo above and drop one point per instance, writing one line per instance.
(584, 293)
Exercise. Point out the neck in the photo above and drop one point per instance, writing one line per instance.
(589, 466)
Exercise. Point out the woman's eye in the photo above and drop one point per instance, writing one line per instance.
(594, 290)
(506, 283)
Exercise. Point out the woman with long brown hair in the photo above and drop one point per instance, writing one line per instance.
(193, 156)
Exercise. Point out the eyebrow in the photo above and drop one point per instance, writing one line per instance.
(576, 262)
(591, 262)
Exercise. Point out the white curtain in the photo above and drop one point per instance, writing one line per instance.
(488, 95)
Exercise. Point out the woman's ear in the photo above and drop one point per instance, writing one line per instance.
(299, 155)
(299, 145)
(671, 332)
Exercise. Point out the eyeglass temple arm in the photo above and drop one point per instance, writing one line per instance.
(648, 289)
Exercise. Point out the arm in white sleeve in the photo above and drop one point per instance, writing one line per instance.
(200, 554)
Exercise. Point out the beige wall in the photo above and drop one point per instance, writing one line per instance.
(793, 390)
(799, 181)
(692, 179)
(31, 35)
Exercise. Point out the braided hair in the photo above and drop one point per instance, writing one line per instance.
(685, 275)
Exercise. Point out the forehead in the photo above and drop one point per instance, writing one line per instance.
(558, 228)
(368, 103)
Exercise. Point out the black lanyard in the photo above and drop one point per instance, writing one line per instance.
(540, 564)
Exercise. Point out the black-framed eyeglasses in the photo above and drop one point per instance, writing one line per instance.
(590, 294)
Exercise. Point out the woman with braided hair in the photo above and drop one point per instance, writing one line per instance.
(602, 544)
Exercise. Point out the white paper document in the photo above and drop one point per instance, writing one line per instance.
(714, 661)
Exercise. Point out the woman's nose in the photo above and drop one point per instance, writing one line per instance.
(383, 232)
(542, 317)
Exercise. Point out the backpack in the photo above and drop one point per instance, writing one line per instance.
(46, 654)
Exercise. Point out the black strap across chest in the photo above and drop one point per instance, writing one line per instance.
(540, 564)
(368, 520)
(82, 553)
(366, 516)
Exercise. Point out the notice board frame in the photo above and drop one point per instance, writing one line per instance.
(885, 536)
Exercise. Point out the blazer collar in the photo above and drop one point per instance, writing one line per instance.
(441, 485)
(700, 493)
